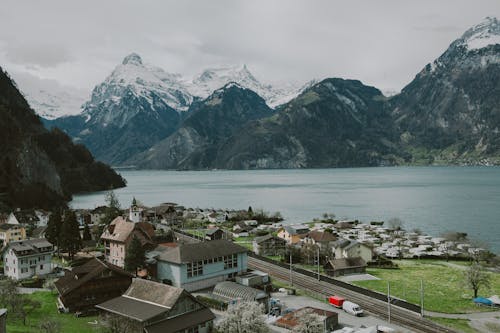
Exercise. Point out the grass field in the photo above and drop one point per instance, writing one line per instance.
(443, 285)
(461, 325)
(48, 310)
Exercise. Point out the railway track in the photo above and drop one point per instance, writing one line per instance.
(399, 316)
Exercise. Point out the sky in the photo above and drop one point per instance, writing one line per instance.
(383, 43)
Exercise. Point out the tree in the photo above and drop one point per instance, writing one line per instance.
(112, 200)
(19, 305)
(70, 234)
(309, 322)
(113, 209)
(53, 231)
(395, 224)
(135, 255)
(26, 306)
(86, 233)
(116, 324)
(476, 277)
(244, 317)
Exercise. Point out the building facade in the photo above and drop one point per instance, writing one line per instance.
(11, 233)
(200, 265)
(27, 258)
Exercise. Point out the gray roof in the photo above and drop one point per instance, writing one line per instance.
(341, 243)
(264, 238)
(31, 245)
(180, 323)
(132, 308)
(212, 231)
(296, 230)
(190, 252)
(232, 290)
(345, 263)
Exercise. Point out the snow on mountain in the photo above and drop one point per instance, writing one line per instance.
(483, 34)
(48, 98)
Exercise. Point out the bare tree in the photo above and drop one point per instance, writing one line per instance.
(116, 324)
(244, 317)
(476, 277)
(309, 322)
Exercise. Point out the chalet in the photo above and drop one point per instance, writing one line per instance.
(323, 239)
(293, 234)
(345, 248)
(92, 283)
(152, 307)
(27, 258)
(330, 319)
(195, 266)
(11, 233)
(214, 233)
(344, 266)
(269, 245)
(118, 235)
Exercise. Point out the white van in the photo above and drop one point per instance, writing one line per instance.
(352, 308)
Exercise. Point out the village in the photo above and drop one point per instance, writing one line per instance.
(174, 269)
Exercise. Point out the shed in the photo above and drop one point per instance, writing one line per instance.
(232, 292)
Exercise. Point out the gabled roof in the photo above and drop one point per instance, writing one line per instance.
(7, 226)
(321, 236)
(32, 245)
(296, 230)
(119, 230)
(190, 252)
(180, 323)
(80, 275)
(212, 231)
(143, 300)
(343, 263)
(264, 238)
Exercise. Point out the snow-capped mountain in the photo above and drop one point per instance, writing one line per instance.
(482, 35)
(48, 98)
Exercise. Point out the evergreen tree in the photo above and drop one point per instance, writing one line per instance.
(53, 230)
(70, 234)
(135, 255)
(86, 233)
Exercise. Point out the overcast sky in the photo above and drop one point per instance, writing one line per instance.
(382, 43)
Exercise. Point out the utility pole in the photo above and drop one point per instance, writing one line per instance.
(422, 297)
(318, 265)
(291, 278)
(389, 301)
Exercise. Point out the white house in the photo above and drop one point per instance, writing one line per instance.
(345, 248)
(27, 258)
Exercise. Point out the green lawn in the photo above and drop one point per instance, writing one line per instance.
(443, 285)
(461, 325)
(48, 310)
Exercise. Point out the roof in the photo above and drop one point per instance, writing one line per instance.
(296, 230)
(291, 319)
(341, 243)
(182, 322)
(232, 290)
(212, 231)
(132, 308)
(344, 263)
(321, 236)
(264, 238)
(80, 275)
(143, 300)
(33, 245)
(189, 252)
(119, 230)
(39, 231)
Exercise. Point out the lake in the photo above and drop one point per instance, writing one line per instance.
(433, 199)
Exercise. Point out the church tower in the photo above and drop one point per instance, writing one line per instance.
(135, 212)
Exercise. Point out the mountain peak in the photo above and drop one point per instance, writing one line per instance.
(483, 34)
(132, 59)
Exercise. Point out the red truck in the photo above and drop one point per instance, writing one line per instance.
(336, 301)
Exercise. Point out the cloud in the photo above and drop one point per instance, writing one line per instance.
(37, 54)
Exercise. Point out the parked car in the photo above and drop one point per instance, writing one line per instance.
(352, 308)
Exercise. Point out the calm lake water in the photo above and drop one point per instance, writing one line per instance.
(434, 199)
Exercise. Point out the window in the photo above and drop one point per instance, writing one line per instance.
(41, 266)
(194, 269)
(231, 261)
(24, 270)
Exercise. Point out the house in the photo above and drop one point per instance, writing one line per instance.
(3, 320)
(344, 266)
(83, 217)
(11, 233)
(118, 235)
(330, 319)
(232, 292)
(12, 219)
(39, 232)
(43, 217)
(195, 266)
(153, 307)
(214, 233)
(346, 248)
(323, 239)
(293, 234)
(97, 214)
(269, 245)
(92, 283)
(27, 258)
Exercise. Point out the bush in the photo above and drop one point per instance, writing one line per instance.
(212, 303)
